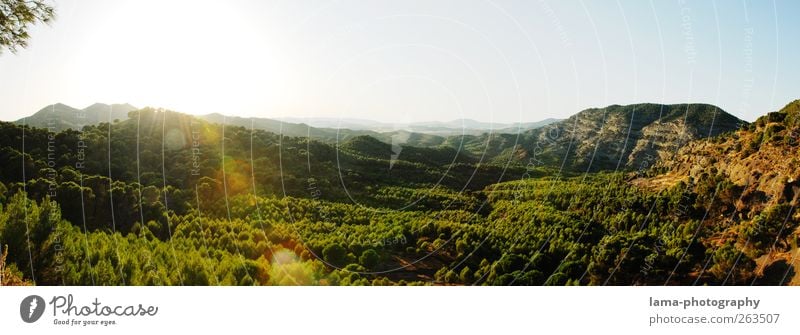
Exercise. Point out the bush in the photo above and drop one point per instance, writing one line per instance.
(335, 254)
(369, 258)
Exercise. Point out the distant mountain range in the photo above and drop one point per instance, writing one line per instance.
(449, 128)
(58, 117)
(288, 128)
(610, 138)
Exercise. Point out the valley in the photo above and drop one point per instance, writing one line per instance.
(641, 194)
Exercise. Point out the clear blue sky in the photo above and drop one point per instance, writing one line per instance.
(401, 61)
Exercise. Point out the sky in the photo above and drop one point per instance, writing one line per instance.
(405, 61)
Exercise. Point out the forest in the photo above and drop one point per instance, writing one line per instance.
(164, 198)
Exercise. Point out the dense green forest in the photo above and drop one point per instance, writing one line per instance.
(164, 198)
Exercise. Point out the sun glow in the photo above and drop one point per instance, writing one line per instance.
(196, 57)
(287, 269)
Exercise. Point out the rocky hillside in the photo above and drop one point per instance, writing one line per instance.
(762, 158)
(745, 184)
(616, 137)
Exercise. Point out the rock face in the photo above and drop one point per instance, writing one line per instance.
(632, 137)
(747, 184)
(762, 157)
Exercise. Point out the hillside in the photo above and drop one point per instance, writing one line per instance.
(762, 156)
(746, 182)
(612, 138)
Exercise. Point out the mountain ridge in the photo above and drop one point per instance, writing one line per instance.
(606, 138)
(610, 138)
(59, 116)
(747, 182)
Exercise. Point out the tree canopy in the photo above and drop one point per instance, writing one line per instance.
(16, 18)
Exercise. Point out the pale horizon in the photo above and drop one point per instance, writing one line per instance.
(502, 62)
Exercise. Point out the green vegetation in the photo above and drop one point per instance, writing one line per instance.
(16, 17)
(167, 199)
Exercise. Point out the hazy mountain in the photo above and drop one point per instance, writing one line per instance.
(520, 127)
(332, 130)
(469, 124)
(339, 123)
(60, 117)
(286, 128)
(449, 128)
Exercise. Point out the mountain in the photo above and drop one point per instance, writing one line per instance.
(469, 126)
(274, 126)
(449, 128)
(58, 117)
(616, 137)
(329, 135)
(523, 126)
(611, 138)
(761, 160)
(745, 186)
(339, 123)
(61, 117)
(762, 157)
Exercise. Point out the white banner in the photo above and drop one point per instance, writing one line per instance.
(396, 310)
